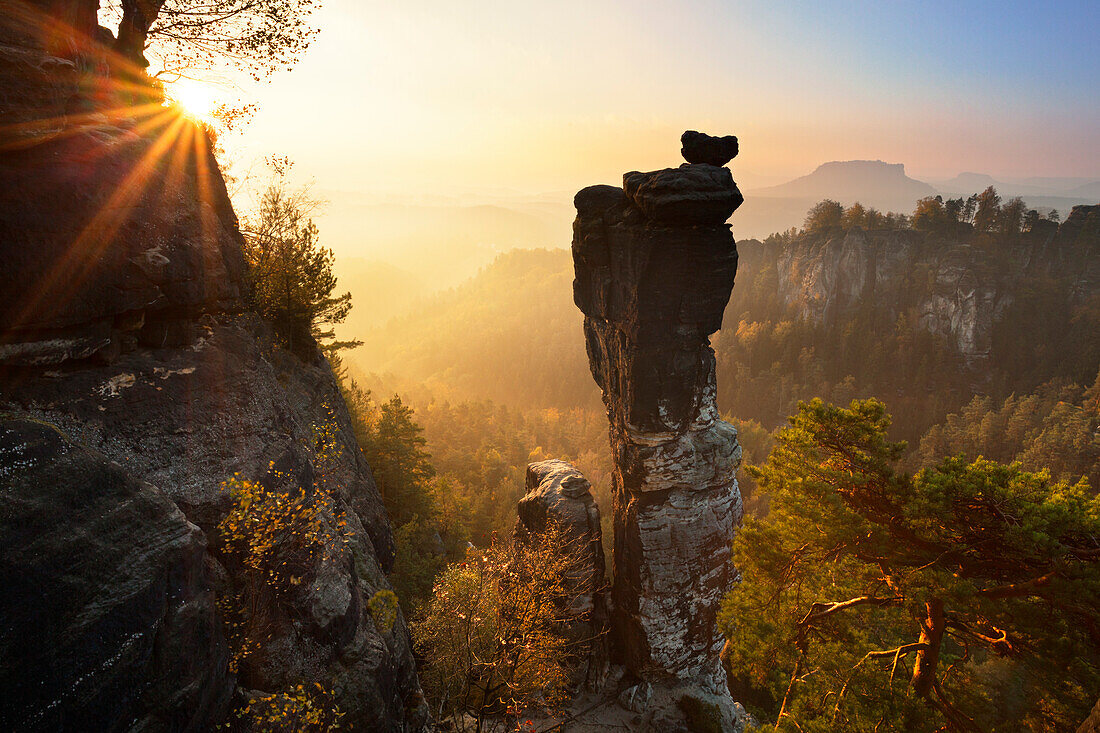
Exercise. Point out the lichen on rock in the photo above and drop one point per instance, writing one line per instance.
(655, 265)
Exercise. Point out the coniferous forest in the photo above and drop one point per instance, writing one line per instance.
(996, 447)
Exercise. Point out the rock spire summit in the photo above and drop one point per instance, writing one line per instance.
(655, 264)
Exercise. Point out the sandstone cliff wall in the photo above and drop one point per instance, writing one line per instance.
(961, 290)
(133, 382)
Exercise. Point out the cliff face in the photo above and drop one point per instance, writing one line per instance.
(134, 383)
(960, 290)
(655, 264)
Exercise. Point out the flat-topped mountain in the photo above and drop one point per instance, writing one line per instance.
(872, 182)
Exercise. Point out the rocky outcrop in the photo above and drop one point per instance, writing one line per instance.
(688, 195)
(108, 606)
(134, 238)
(122, 324)
(959, 290)
(559, 494)
(654, 268)
(698, 147)
(184, 419)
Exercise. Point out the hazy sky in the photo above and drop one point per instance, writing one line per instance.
(434, 96)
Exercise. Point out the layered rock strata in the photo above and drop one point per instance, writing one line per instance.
(655, 264)
(559, 494)
(960, 291)
(134, 383)
(104, 586)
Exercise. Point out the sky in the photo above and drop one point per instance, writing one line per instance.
(501, 94)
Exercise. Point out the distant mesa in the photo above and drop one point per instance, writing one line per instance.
(873, 182)
(972, 182)
(698, 147)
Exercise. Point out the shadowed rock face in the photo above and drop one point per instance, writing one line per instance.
(964, 289)
(122, 323)
(654, 269)
(108, 607)
(1091, 724)
(699, 147)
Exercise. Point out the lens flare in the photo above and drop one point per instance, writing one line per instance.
(196, 98)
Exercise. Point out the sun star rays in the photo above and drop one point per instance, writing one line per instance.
(115, 131)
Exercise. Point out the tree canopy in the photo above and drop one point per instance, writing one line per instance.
(257, 36)
(290, 273)
(824, 216)
(495, 636)
(965, 597)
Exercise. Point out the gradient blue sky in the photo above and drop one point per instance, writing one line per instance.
(549, 96)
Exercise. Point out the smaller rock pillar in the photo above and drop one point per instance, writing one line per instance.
(560, 494)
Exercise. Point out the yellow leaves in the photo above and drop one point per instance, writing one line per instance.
(298, 708)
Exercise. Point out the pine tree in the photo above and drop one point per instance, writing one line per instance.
(873, 598)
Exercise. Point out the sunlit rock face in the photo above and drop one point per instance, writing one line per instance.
(123, 328)
(559, 494)
(655, 266)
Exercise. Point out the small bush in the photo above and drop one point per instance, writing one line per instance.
(383, 609)
(702, 716)
(273, 539)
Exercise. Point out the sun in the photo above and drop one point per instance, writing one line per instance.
(196, 98)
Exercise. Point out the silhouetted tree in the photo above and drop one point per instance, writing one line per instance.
(987, 211)
(1031, 218)
(257, 36)
(290, 274)
(930, 215)
(1012, 215)
(855, 216)
(969, 207)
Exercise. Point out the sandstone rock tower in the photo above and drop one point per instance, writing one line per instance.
(655, 263)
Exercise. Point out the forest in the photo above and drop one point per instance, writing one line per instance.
(477, 402)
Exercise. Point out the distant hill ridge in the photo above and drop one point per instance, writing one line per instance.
(886, 186)
(855, 179)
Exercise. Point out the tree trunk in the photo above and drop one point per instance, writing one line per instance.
(138, 17)
(931, 634)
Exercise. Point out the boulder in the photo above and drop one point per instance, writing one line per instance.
(595, 200)
(699, 147)
(690, 194)
(559, 494)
